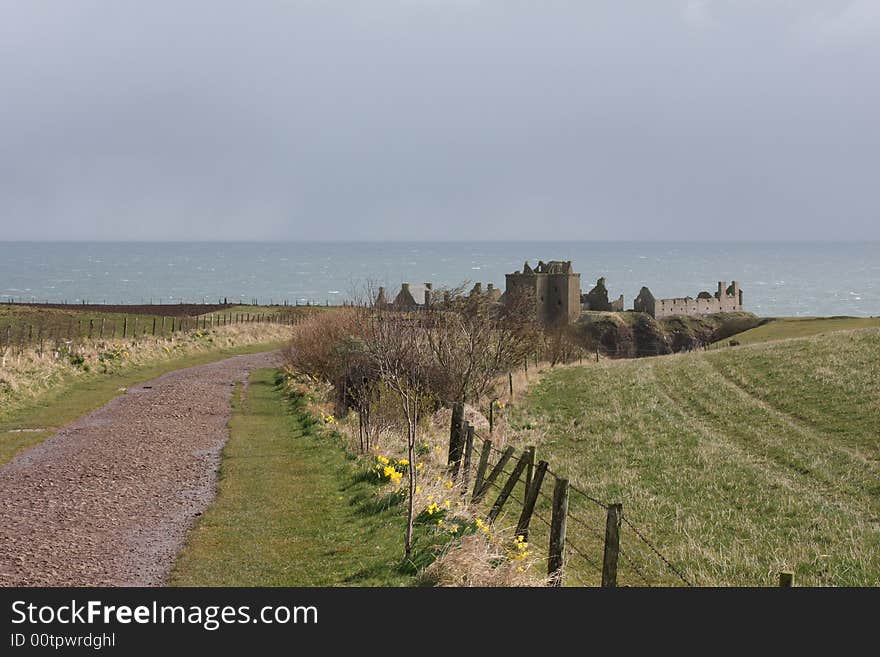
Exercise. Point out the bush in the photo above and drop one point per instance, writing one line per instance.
(315, 346)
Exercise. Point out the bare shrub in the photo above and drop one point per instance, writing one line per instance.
(563, 343)
(317, 347)
(473, 339)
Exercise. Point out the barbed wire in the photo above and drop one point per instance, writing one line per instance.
(656, 551)
(599, 502)
(635, 567)
(584, 524)
(574, 488)
(583, 556)
(542, 519)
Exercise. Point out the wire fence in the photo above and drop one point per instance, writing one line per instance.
(590, 542)
(62, 333)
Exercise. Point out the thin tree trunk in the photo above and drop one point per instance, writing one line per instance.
(412, 422)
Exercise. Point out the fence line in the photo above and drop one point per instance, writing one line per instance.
(503, 479)
(63, 334)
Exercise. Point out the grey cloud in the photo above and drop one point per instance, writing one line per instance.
(307, 120)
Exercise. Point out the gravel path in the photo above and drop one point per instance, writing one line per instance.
(108, 500)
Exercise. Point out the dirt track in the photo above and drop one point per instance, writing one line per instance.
(107, 501)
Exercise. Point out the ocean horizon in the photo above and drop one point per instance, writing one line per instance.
(791, 278)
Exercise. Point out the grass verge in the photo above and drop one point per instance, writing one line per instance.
(35, 420)
(292, 509)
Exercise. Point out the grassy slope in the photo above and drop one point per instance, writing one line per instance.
(738, 462)
(800, 327)
(290, 509)
(86, 393)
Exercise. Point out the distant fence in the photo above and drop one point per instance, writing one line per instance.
(46, 333)
(598, 542)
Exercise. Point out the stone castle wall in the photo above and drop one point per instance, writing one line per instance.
(724, 301)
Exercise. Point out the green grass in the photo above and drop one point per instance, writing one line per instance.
(736, 463)
(292, 509)
(783, 328)
(65, 403)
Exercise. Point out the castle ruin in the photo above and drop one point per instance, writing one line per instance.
(557, 290)
(556, 286)
(597, 299)
(727, 299)
(407, 297)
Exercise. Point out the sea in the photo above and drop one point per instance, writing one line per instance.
(777, 278)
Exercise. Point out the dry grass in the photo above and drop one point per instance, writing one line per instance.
(26, 376)
(476, 560)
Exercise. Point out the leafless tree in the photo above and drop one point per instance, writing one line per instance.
(397, 349)
(563, 343)
(473, 339)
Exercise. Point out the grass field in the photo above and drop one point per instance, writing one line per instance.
(291, 508)
(783, 328)
(736, 463)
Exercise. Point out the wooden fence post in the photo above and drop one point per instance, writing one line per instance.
(124, 326)
(493, 475)
(456, 438)
(556, 560)
(468, 456)
(786, 578)
(481, 467)
(102, 328)
(510, 382)
(531, 498)
(507, 489)
(612, 546)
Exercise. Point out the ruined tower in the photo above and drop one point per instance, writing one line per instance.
(556, 286)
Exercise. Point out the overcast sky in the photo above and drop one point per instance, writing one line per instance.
(439, 119)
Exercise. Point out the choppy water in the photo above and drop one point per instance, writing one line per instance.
(791, 278)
